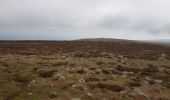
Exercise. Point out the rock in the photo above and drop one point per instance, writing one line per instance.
(148, 79)
(122, 92)
(114, 71)
(46, 73)
(30, 93)
(152, 81)
(134, 84)
(124, 76)
(128, 69)
(150, 70)
(22, 78)
(82, 81)
(158, 81)
(80, 54)
(81, 71)
(92, 68)
(89, 94)
(113, 87)
(137, 91)
(60, 63)
(4, 64)
(75, 99)
(97, 71)
(52, 94)
(90, 79)
(33, 81)
(74, 85)
(58, 76)
(114, 76)
(167, 71)
(99, 63)
(104, 71)
(128, 73)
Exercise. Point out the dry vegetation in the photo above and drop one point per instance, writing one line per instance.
(81, 70)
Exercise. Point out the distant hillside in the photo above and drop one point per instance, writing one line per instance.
(125, 41)
(161, 41)
(105, 40)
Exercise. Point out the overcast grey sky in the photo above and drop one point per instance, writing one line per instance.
(73, 19)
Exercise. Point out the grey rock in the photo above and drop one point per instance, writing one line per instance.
(158, 81)
(137, 91)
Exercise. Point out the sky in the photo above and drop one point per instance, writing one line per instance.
(75, 19)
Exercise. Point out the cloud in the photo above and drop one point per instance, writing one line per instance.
(65, 19)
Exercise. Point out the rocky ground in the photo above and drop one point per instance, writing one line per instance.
(40, 70)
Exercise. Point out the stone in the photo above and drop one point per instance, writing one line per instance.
(128, 73)
(140, 93)
(89, 94)
(30, 93)
(158, 81)
(82, 81)
(148, 78)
